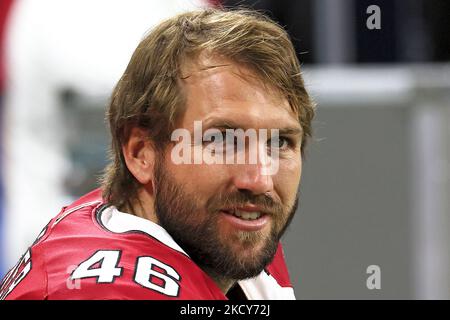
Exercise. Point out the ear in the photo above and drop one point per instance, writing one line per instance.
(139, 155)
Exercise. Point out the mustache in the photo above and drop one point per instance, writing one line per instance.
(242, 198)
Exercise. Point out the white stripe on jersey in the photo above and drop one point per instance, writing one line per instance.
(120, 222)
(265, 287)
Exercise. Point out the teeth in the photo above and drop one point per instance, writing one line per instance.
(247, 215)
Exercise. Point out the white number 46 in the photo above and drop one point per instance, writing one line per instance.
(103, 265)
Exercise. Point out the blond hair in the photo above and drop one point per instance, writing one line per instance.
(149, 94)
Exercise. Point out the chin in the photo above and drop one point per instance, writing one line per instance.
(249, 240)
(252, 252)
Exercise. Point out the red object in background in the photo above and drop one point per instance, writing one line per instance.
(5, 6)
(215, 3)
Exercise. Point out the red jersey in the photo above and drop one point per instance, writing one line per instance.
(93, 251)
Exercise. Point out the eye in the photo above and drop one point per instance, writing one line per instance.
(213, 139)
(283, 143)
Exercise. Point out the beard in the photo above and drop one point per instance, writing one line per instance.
(195, 227)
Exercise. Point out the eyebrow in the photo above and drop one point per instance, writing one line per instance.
(223, 124)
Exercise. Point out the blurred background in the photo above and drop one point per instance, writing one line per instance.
(376, 181)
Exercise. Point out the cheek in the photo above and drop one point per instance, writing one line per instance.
(201, 179)
(288, 179)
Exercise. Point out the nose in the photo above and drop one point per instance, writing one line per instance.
(253, 178)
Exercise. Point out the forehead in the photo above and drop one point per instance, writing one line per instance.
(217, 88)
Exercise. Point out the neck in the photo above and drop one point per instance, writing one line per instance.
(224, 284)
(143, 207)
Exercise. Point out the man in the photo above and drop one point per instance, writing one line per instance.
(206, 227)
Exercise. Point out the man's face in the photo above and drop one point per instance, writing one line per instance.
(229, 217)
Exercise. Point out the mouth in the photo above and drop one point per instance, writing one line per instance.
(244, 214)
(248, 218)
